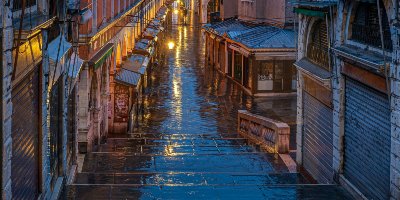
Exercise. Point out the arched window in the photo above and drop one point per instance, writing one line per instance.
(365, 27)
(317, 49)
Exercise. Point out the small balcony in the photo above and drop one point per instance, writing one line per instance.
(319, 55)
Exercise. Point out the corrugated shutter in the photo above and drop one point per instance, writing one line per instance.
(317, 139)
(25, 125)
(54, 131)
(367, 140)
(71, 128)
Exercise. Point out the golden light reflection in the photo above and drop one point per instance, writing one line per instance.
(176, 11)
(169, 150)
(171, 45)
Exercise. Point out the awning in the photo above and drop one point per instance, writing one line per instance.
(101, 55)
(312, 13)
(151, 32)
(128, 77)
(55, 53)
(136, 63)
(313, 4)
(368, 58)
(144, 46)
(74, 66)
(313, 70)
(59, 50)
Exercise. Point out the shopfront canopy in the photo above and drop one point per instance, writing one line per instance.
(136, 63)
(74, 66)
(59, 52)
(98, 59)
(128, 77)
(144, 47)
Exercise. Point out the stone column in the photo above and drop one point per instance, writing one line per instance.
(112, 9)
(6, 107)
(83, 108)
(338, 97)
(94, 18)
(395, 119)
(45, 151)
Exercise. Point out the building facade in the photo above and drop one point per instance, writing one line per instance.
(58, 64)
(253, 50)
(348, 103)
(36, 158)
(108, 39)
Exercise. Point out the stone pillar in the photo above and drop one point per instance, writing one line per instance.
(112, 9)
(338, 98)
(299, 119)
(83, 108)
(45, 151)
(6, 107)
(395, 119)
(94, 18)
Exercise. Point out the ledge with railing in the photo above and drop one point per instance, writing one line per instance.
(318, 55)
(270, 134)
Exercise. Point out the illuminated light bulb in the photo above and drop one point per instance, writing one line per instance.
(171, 45)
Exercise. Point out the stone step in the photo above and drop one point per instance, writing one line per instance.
(190, 179)
(178, 150)
(116, 143)
(120, 162)
(278, 192)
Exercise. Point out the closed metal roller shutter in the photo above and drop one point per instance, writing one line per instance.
(367, 140)
(54, 119)
(317, 139)
(25, 124)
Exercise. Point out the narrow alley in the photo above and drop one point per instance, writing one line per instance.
(187, 145)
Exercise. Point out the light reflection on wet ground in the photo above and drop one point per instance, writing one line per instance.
(187, 145)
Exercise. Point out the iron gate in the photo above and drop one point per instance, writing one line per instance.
(25, 136)
(317, 139)
(367, 140)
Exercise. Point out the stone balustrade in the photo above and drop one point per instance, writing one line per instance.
(271, 134)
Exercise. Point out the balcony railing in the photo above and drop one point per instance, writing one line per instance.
(371, 35)
(271, 134)
(319, 55)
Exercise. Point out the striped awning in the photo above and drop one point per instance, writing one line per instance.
(101, 55)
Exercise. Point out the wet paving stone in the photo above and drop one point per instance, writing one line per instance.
(187, 146)
(279, 192)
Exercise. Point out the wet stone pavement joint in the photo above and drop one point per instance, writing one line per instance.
(187, 146)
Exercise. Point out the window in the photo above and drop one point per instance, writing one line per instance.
(365, 27)
(317, 50)
(238, 67)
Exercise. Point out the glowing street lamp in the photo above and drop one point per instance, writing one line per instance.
(171, 45)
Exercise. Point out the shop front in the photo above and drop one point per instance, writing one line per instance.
(258, 57)
(275, 76)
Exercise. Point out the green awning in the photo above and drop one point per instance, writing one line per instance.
(312, 13)
(98, 59)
